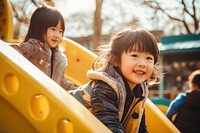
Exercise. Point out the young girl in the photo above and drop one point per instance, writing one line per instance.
(121, 75)
(187, 106)
(41, 44)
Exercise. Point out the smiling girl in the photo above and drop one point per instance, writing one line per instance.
(121, 76)
(41, 44)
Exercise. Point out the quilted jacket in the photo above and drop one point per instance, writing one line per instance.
(51, 61)
(115, 105)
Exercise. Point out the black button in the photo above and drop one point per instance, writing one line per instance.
(135, 115)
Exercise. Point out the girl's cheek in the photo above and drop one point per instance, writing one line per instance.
(151, 68)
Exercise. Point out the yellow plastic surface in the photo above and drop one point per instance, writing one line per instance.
(156, 120)
(163, 108)
(6, 21)
(79, 61)
(32, 102)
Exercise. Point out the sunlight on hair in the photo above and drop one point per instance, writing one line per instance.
(50, 3)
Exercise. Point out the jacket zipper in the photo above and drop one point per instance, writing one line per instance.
(52, 56)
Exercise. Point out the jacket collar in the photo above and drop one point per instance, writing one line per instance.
(115, 81)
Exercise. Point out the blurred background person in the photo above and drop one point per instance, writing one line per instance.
(186, 106)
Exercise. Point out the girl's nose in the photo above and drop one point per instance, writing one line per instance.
(142, 63)
(58, 35)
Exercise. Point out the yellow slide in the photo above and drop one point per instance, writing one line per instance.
(6, 21)
(79, 61)
(31, 102)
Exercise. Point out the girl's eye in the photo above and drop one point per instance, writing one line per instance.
(61, 31)
(134, 55)
(53, 29)
(150, 58)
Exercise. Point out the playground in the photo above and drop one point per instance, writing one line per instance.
(31, 102)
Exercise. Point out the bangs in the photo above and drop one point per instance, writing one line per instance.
(143, 41)
(143, 46)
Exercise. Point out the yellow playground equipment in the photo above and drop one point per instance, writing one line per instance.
(32, 102)
(6, 21)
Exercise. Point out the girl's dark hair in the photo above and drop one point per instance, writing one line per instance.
(43, 17)
(126, 40)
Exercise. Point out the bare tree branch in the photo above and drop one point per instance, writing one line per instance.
(34, 2)
(156, 6)
(196, 21)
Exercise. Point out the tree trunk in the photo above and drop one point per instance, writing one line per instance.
(97, 25)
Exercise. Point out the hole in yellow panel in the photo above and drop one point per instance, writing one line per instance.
(11, 83)
(65, 126)
(40, 106)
